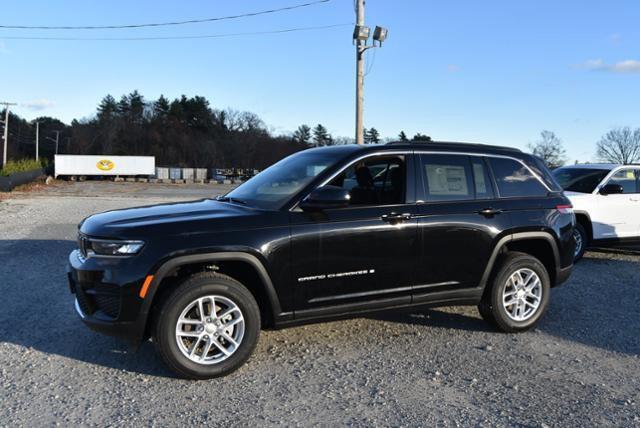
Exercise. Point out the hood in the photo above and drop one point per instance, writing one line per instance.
(577, 195)
(580, 201)
(170, 219)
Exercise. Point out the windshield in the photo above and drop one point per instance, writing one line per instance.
(582, 180)
(275, 185)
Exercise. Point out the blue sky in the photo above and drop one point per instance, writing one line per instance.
(493, 71)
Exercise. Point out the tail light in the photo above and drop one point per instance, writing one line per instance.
(565, 209)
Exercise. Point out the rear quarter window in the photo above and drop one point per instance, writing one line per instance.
(515, 180)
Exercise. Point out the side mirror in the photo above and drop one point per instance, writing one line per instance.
(326, 197)
(612, 189)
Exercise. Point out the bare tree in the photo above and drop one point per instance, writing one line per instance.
(620, 145)
(550, 149)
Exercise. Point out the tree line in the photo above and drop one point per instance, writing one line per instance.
(188, 132)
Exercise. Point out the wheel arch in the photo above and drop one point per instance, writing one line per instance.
(584, 219)
(536, 243)
(242, 266)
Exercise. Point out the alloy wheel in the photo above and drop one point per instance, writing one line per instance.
(577, 236)
(210, 329)
(522, 294)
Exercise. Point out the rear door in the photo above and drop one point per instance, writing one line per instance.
(459, 218)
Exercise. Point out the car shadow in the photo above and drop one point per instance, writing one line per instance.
(597, 307)
(37, 311)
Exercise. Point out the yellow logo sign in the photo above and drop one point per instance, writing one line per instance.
(105, 165)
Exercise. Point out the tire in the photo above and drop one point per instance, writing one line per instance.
(582, 239)
(510, 318)
(207, 329)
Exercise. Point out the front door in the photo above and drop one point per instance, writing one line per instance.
(364, 252)
(618, 216)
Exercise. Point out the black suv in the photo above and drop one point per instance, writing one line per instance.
(327, 233)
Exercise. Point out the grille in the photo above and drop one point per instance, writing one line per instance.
(109, 304)
(104, 298)
(83, 301)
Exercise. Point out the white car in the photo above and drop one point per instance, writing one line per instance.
(606, 201)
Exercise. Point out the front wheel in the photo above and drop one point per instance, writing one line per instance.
(208, 327)
(581, 240)
(519, 294)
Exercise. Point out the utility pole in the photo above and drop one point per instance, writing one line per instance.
(360, 38)
(6, 131)
(360, 50)
(56, 140)
(37, 139)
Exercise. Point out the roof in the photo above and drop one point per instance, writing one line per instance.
(607, 166)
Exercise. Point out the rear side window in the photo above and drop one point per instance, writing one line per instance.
(482, 179)
(538, 166)
(447, 177)
(514, 179)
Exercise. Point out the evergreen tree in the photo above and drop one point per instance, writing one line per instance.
(161, 107)
(403, 136)
(302, 135)
(321, 136)
(421, 137)
(371, 136)
(107, 108)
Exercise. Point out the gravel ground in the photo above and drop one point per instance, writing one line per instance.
(443, 367)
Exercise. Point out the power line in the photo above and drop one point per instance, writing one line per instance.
(164, 24)
(207, 36)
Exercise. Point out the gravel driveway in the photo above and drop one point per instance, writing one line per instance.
(580, 367)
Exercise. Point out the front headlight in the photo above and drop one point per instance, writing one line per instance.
(102, 247)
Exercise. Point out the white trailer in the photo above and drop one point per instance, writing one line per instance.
(79, 165)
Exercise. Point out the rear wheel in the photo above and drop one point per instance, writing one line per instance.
(208, 327)
(519, 294)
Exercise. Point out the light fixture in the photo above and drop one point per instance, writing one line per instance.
(361, 32)
(380, 34)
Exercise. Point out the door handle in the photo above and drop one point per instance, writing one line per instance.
(489, 212)
(396, 217)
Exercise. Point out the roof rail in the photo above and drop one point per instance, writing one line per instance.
(457, 145)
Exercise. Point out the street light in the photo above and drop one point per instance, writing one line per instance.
(361, 33)
(380, 34)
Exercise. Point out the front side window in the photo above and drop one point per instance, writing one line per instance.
(627, 179)
(450, 178)
(581, 180)
(375, 181)
(514, 179)
(277, 184)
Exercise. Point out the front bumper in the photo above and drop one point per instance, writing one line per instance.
(106, 295)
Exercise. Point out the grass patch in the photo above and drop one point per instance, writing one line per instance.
(23, 165)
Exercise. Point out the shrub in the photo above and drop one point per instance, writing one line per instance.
(21, 166)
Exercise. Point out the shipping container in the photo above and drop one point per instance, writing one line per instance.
(188, 174)
(201, 174)
(175, 173)
(162, 173)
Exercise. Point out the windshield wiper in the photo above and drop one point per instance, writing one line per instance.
(232, 200)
